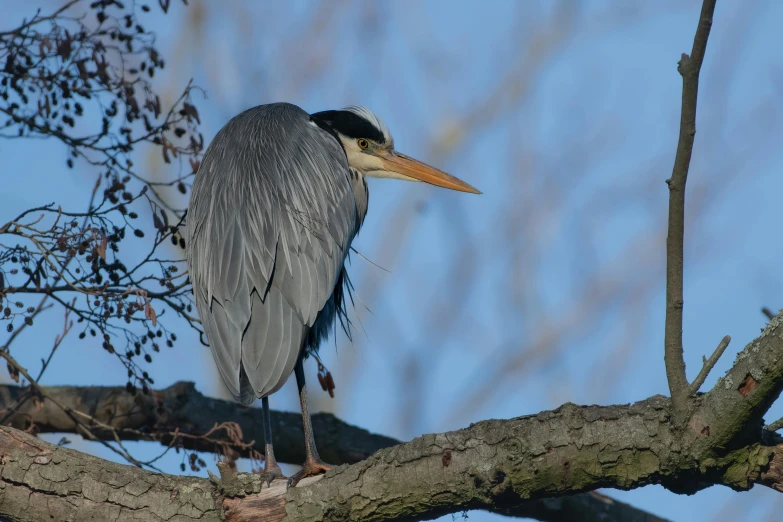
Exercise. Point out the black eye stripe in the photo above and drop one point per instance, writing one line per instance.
(349, 124)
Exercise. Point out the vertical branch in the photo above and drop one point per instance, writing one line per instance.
(689, 68)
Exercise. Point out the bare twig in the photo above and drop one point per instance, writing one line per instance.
(37, 19)
(775, 426)
(709, 364)
(768, 313)
(689, 68)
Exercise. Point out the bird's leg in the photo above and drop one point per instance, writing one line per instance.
(313, 465)
(271, 469)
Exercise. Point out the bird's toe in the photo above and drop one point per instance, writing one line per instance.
(310, 468)
(273, 472)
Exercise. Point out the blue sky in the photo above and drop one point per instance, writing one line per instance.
(567, 241)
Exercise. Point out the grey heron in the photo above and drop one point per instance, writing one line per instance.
(277, 201)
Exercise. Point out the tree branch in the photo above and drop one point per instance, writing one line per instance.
(181, 409)
(43, 481)
(709, 364)
(494, 465)
(142, 418)
(77, 486)
(499, 466)
(689, 68)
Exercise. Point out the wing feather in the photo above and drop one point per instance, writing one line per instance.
(271, 218)
(222, 332)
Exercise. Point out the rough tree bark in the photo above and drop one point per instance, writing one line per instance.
(497, 465)
(142, 418)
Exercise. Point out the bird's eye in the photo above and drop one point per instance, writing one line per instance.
(363, 144)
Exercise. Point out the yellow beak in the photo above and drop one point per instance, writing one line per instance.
(411, 168)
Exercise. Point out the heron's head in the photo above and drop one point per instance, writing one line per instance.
(369, 147)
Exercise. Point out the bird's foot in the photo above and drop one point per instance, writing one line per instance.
(272, 472)
(310, 468)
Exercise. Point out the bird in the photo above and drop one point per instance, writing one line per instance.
(274, 207)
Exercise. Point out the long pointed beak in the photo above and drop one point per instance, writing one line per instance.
(409, 167)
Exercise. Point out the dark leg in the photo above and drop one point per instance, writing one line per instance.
(271, 469)
(313, 465)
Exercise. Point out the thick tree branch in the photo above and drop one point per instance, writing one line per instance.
(182, 408)
(689, 68)
(41, 481)
(732, 413)
(141, 418)
(494, 465)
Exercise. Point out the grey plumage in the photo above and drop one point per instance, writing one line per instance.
(273, 211)
(274, 208)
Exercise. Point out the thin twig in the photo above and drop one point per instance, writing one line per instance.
(709, 364)
(767, 312)
(689, 68)
(38, 19)
(58, 339)
(775, 426)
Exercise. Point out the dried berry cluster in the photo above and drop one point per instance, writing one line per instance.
(82, 76)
